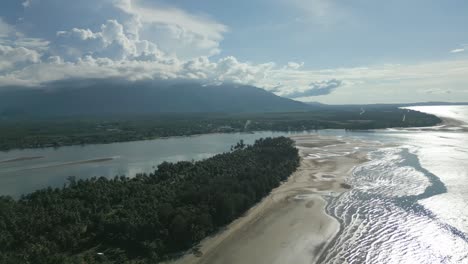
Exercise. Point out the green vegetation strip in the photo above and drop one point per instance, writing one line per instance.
(145, 219)
(56, 132)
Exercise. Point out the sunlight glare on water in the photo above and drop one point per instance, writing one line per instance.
(458, 112)
(408, 204)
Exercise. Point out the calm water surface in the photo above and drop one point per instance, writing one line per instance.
(23, 171)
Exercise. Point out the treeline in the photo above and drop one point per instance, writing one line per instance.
(145, 219)
(37, 133)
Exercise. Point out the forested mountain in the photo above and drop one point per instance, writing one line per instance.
(144, 219)
(97, 97)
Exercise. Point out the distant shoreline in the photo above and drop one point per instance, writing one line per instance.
(57, 133)
(446, 124)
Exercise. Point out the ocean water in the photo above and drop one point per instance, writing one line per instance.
(458, 112)
(409, 203)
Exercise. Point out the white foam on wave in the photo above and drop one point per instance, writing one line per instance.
(376, 230)
(384, 174)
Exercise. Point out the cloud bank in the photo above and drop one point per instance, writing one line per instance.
(316, 89)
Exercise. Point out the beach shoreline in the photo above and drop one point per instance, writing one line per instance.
(290, 225)
(451, 123)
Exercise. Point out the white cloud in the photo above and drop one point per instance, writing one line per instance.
(138, 28)
(360, 84)
(30, 43)
(457, 50)
(381, 83)
(462, 48)
(11, 57)
(5, 29)
(175, 30)
(376, 83)
(294, 65)
(53, 69)
(316, 88)
(26, 3)
(111, 42)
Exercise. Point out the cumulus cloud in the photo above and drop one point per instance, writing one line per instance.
(110, 42)
(175, 30)
(11, 57)
(317, 88)
(227, 69)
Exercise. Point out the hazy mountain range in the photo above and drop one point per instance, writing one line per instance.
(114, 97)
(91, 97)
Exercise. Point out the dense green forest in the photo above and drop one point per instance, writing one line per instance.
(56, 132)
(144, 219)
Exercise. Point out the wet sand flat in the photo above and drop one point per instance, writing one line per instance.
(290, 225)
(20, 159)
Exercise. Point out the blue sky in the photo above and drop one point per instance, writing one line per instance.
(361, 33)
(331, 51)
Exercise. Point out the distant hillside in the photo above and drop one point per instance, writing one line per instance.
(110, 97)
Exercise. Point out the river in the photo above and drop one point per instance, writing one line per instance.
(23, 171)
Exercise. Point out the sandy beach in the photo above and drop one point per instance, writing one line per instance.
(290, 225)
(451, 124)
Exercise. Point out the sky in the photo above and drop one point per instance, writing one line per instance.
(329, 51)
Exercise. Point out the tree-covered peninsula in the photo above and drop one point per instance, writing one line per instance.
(144, 219)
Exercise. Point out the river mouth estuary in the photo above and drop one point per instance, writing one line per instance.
(382, 196)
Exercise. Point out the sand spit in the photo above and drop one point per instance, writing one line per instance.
(290, 225)
(448, 125)
(20, 159)
(98, 160)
